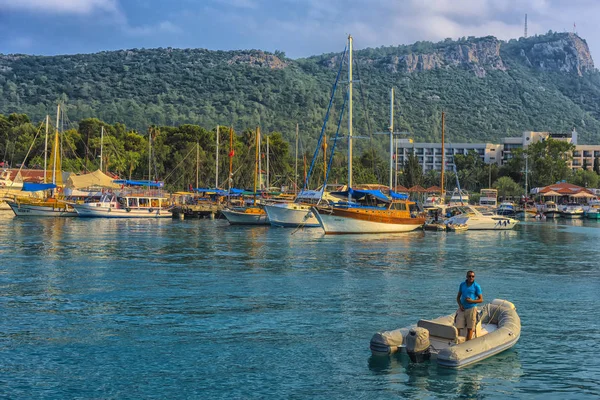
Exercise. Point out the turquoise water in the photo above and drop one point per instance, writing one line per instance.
(167, 309)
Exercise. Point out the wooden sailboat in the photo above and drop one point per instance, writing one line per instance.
(53, 204)
(366, 211)
(254, 215)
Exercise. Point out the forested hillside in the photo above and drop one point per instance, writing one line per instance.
(488, 88)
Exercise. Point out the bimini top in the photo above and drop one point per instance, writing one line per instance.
(359, 194)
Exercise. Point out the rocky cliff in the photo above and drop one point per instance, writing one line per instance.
(560, 52)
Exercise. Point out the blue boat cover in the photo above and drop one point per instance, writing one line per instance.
(235, 192)
(211, 191)
(36, 187)
(398, 196)
(139, 183)
(359, 194)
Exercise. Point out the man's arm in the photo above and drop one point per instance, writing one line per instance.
(458, 300)
(479, 298)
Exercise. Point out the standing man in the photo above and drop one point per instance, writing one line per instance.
(469, 295)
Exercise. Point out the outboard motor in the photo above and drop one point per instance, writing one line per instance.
(417, 345)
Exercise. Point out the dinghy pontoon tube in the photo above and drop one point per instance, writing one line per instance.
(498, 329)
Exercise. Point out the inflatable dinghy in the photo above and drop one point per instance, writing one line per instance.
(498, 329)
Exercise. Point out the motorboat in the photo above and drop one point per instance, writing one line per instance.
(126, 205)
(457, 227)
(254, 215)
(550, 210)
(498, 329)
(476, 220)
(592, 213)
(507, 208)
(572, 211)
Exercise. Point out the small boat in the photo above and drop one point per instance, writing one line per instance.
(572, 211)
(131, 205)
(551, 210)
(456, 227)
(246, 216)
(477, 220)
(592, 213)
(488, 198)
(498, 329)
(507, 209)
(434, 226)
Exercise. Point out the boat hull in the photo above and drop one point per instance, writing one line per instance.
(356, 221)
(484, 223)
(499, 330)
(574, 215)
(592, 215)
(291, 215)
(92, 211)
(241, 218)
(31, 210)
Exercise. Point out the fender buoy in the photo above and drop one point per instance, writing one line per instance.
(151, 210)
(128, 209)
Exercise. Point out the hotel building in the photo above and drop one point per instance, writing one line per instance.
(430, 154)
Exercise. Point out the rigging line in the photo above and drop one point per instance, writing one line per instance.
(362, 97)
(180, 162)
(335, 140)
(318, 148)
(30, 148)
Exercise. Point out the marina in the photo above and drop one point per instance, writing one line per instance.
(200, 308)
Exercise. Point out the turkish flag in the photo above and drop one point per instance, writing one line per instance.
(231, 153)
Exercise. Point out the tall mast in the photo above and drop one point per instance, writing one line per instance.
(55, 146)
(231, 153)
(45, 150)
(349, 115)
(217, 161)
(256, 159)
(197, 164)
(443, 154)
(324, 160)
(149, 154)
(296, 164)
(391, 135)
(260, 174)
(268, 182)
(101, 146)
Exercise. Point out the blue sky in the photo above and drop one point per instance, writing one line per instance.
(300, 28)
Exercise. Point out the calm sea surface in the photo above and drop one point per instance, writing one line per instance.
(170, 309)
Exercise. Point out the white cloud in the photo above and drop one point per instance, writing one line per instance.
(80, 7)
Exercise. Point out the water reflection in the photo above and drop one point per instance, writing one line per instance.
(426, 379)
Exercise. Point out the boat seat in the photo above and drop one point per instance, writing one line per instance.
(439, 330)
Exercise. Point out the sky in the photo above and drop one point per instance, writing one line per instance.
(300, 28)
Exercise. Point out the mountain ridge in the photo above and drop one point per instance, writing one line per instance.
(489, 88)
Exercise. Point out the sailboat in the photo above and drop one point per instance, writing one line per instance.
(298, 213)
(53, 205)
(254, 215)
(366, 211)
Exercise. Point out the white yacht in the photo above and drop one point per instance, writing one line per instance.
(572, 210)
(476, 220)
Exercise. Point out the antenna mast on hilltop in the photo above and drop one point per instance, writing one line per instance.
(525, 26)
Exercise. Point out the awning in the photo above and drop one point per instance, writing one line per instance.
(583, 194)
(551, 193)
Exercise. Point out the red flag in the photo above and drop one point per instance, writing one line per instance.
(231, 153)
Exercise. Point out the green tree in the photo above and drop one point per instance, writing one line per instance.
(413, 172)
(507, 187)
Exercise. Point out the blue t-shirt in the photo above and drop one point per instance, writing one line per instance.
(472, 292)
